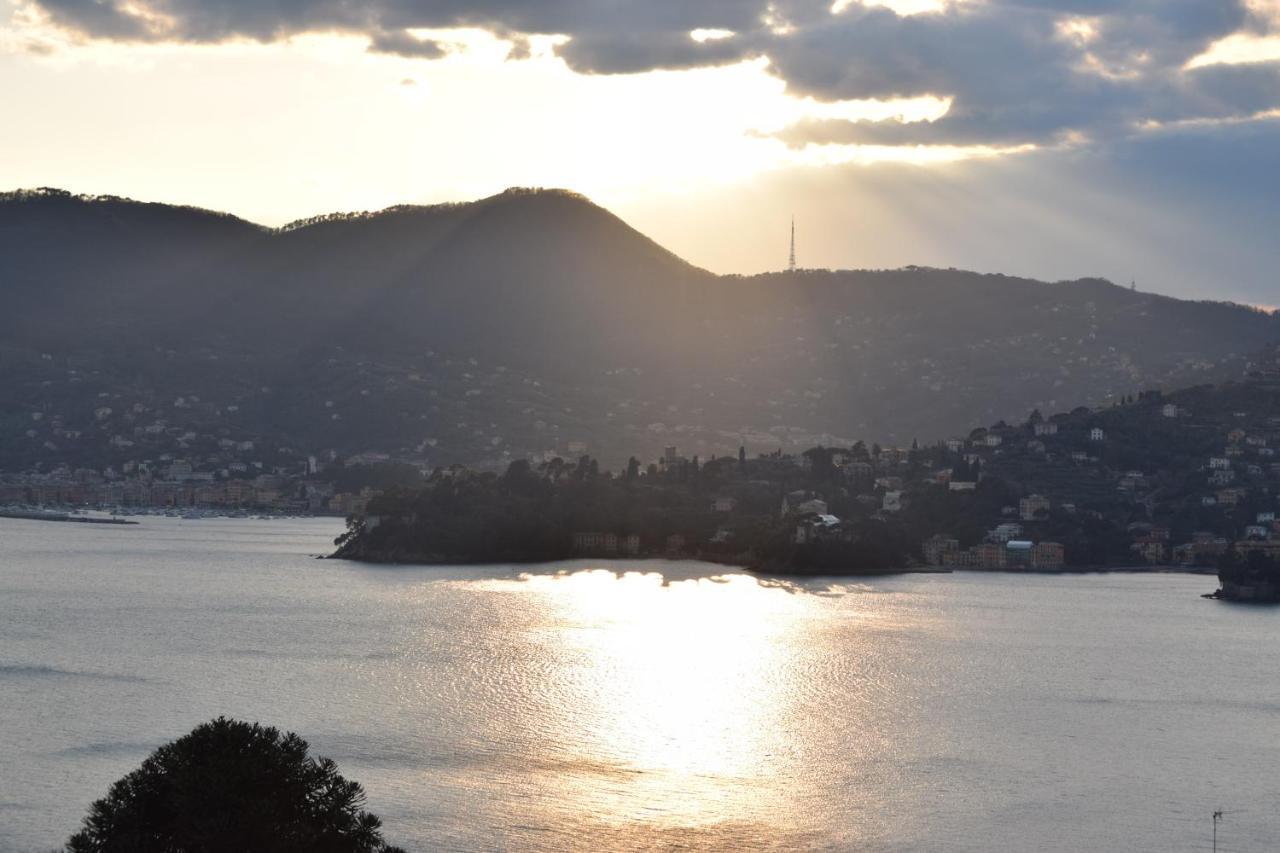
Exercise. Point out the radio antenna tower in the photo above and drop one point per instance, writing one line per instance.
(791, 262)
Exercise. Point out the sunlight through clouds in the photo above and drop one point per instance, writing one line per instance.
(449, 133)
(1239, 48)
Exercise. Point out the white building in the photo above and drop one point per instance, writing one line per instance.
(1006, 531)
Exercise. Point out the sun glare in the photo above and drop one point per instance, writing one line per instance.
(682, 680)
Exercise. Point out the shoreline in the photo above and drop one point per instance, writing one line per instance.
(778, 571)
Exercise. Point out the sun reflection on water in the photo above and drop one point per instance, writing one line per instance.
(686, 686)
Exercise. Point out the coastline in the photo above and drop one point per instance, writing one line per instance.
(406, 559)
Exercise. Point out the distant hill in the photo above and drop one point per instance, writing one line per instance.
(520, 324)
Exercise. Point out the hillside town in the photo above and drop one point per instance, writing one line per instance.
(1152, 480)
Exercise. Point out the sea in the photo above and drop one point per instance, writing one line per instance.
(645, 705)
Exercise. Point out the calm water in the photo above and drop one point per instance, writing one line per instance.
(490, 709)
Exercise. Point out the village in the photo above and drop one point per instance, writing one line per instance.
(1152, 480)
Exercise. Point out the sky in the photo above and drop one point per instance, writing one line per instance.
(1137, 140)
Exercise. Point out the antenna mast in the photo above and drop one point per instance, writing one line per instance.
(791, 262)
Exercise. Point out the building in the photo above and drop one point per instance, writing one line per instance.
(791, 501)
(988, 555)
(1169, 410)
(1097, 434)
(595, 543)
(724, 504)
(1230, 497)
(1048, 556)
(1033, 506)
(1002, 533)
(816, 528)
(859, 472)
(1150, 551)
(892, 502)
(1267, 548)
(1018, 553)
(940, 550)
(1222, 477)
(179, 470)
(815, 506)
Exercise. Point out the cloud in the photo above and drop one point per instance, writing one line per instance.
(403, 43)
(1015, 71)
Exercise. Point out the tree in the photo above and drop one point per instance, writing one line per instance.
(231, 785)
(742, 454)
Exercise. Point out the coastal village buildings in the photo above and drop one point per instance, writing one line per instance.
(1209, 483)
(595, 544)
(1017, 554)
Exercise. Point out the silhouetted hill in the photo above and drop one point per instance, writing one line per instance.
(518, 324)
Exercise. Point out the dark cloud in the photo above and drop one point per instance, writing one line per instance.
(1016, 70)
(402, 43)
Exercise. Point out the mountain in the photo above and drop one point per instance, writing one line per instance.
(520, 324)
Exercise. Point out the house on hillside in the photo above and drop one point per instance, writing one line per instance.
(1033, 506)
(817, 527)
(724, 504)
(813, 505)
(940, 549)
(1222, 477)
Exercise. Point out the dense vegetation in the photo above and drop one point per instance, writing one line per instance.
(230, 785)
(529, 515)
(1252, 576)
